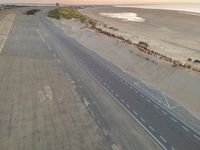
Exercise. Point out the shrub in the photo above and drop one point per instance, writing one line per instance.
(143, 44)
(32, 11)
(196, 61)
(54, 14)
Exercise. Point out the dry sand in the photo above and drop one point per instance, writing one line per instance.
(160, 32)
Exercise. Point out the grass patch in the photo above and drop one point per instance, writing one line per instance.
(54, 14)
(32, 11)
(71, 13)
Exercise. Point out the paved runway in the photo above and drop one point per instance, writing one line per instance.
(166, 129)
(34, 60)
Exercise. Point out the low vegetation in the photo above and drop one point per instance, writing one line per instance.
(32, 11)
(71, 13)
(196, 61)
(189, 59)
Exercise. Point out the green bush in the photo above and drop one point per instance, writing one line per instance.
(32, 11)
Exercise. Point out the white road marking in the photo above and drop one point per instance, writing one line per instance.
(186, 129)
(128, 105)
(142, 96)
(196, 137)
(173, 119)
(156, 106)
(59, 60)
(5, 38)
(163, 139)
(41, 35)
(49, 47)
(135, 112)
(122, 100)
(164, 112)
(148, 100)
(142, 119)
(117, 95)
(151, 128)
(172, 148)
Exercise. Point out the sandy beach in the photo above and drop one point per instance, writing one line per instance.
(173, 33)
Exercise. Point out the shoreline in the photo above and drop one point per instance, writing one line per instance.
(181, 84)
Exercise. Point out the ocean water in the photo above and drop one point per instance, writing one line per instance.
(125, 16)
(195, 8)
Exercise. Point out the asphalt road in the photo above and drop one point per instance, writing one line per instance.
(166, 129)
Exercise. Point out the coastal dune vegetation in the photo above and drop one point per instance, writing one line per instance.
(73, 13)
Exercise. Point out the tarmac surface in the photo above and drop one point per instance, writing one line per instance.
(48, 101)
(34, 61)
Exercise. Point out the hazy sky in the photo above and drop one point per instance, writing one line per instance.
(99, 1)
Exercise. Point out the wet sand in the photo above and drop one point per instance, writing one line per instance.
(179, 83)
(173, 33)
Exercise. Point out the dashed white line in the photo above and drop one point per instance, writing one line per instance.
(172, 148)
(196, 137)
(151, 128)
(128, 105)
(163, 139)
(122, 100)
(186, 129)
(135, 112)
(173, 119)
(148, 100)
(116, 95)
(142, 119)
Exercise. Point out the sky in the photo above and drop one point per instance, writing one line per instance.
(99, 1)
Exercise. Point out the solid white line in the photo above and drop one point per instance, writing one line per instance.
(196, 137)
(148, 95)
(186, 129)
(4, 40)
(163, 139)
(173, 119)
(164, 112)
(128, 111)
